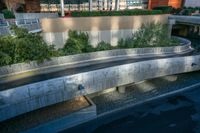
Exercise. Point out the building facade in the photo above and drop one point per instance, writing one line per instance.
(173, 3)
(192, 3)
(83, 5)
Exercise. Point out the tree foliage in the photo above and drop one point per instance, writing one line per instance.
(78, 42)
(150, 35)
(23, 47)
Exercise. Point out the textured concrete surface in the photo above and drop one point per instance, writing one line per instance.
(47, 66)
(67, 121)
(109, 36)
(99, 23)
(52, 118)
(109, 29)
(137, 93)
(33, 96)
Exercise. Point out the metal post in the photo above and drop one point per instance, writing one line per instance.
(62, 8)
(90, 5)
(171, 22)
(116, 5)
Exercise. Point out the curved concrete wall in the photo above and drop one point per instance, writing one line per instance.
(26, 98)
(48, 66)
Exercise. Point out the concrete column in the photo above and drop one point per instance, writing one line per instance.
(171, 22)
(116, 5)
(62, 8)
(90, 5)
(121, 89)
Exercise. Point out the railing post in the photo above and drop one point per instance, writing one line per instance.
(171, 22)
(116, 5)
(62, 8)
(90, 5)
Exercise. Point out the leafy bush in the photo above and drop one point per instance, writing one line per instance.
(8, 14)
(115, 13)
(150, 35)
(103, 46)
(23, 47)
(77, 43)
(164, 9)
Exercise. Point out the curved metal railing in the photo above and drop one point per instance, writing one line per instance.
(4, 27)
(32, 25)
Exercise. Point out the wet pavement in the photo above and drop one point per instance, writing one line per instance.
(178, 113)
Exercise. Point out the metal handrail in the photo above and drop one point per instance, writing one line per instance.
(4, 23)
(26, 22)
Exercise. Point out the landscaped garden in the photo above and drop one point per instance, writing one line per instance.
(25, 47)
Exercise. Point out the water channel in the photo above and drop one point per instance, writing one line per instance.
(179, 113)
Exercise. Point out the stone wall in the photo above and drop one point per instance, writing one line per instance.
(29, 97)
(54, 63)
(109, 29)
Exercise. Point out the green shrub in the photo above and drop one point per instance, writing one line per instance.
(77, 43)
(115, 13)
(150, 35)
(103, 46)
(8, 14)
(23, 47)
(164, 9)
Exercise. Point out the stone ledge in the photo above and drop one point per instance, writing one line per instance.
(30, 97)
(56, 62)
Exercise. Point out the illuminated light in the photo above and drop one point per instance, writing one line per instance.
(170, 78)
(148, 87)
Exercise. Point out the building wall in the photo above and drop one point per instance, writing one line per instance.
(192, 3)
(173, 3)
(13, 4)
(32, 5)
(108, 29)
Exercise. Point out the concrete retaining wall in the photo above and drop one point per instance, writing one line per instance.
(26, 98)
(109, 29)
(47, 66)
(68, 121)
(109, 36)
